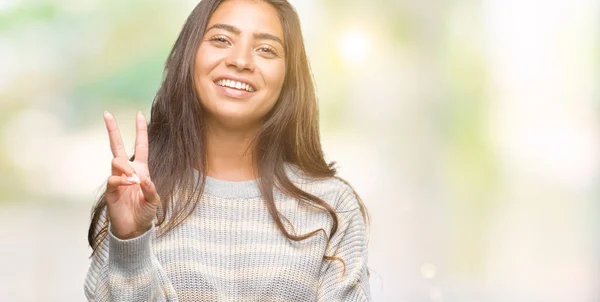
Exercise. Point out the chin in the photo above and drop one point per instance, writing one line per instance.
(237, 120)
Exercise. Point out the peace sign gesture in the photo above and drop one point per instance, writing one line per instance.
(131, 196)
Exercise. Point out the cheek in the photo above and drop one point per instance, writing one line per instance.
(204, 63)
(207, 59)
(275, 79)
(201, 64)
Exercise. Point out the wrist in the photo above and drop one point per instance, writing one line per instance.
(131, 234)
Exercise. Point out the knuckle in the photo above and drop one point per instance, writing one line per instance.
(118, 148)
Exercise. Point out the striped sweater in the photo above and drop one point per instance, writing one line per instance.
(230, 249)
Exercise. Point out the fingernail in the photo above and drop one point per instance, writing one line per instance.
(147, 181)
(133, 179)
(106, 113)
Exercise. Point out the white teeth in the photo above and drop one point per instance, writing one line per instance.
(235, 84)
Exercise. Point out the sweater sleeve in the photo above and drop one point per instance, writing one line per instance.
(350, 244)
(127, 270)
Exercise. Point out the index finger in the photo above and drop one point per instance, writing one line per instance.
(116, 144)
(141, 139)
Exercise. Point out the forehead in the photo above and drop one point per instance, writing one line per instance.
(250, 16)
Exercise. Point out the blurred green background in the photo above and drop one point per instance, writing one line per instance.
(470, 128)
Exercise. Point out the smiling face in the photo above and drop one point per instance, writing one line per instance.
(240, 64)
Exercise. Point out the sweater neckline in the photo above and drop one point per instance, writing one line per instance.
(248, 189)
(231, 189)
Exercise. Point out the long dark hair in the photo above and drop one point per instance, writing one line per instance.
(177, 142)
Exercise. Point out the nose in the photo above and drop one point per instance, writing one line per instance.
(241, 58)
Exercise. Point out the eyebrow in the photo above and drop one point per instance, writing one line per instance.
(237, 31)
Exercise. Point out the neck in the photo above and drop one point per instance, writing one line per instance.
(230, 154)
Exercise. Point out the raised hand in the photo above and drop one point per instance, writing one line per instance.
(131, 196)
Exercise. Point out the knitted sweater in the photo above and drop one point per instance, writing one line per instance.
(230, 249)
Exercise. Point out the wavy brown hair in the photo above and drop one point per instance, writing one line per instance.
(177, 141)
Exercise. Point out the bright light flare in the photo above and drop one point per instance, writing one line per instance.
(354, 46)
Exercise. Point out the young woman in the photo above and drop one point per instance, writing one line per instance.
(228, 196)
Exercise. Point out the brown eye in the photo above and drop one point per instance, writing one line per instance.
(267, 50)
(219, 40)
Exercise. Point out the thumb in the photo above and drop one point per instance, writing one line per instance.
(149, 191)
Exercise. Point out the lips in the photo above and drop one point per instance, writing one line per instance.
(232, 93)
(235, 82)
(235, 85)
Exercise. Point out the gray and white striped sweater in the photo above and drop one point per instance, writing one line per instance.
(230, 249)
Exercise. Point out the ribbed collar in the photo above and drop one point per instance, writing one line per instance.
(231, 189)
(242, 189)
